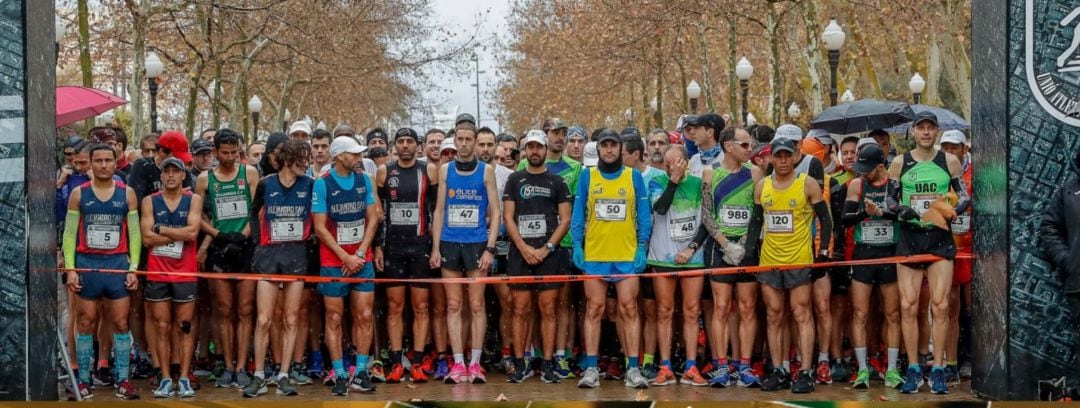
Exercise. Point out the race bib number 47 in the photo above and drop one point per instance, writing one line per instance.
(464, 216)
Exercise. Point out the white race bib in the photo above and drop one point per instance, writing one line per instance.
(922, 202)
(532, 226)
(610, 209)
(682, 228)
(877, 232)
(962, 224)
(734, 216)
(103, 236)
(780, 222)
(404, 213)
(172, 250)
(350, 232)
(286, 230)
(464, 216)
(231, 207)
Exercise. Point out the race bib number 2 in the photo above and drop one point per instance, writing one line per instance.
(350, 232)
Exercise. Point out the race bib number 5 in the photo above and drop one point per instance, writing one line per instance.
(610, 209)
(780, 222)
(464, 216)
(103, 236)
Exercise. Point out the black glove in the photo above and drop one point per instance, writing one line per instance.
(822, 258)
(905, 213)
(230, 238)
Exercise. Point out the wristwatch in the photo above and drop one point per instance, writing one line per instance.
(156, 229)
(491, 250)
(693, 245)
(550, 247)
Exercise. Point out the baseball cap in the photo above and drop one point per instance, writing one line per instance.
(576, 131)
(869, 158)
(345, 144)
(630, 131)
(709, 119)
(866, 141)
(344, 130)
(788, 131)
(447, 144)
(465, 117)
(782, 144)
(73, 141)
(554, 123)
(822, 136)
(201, 145)
(376, 133)
(535, 135)
(590, 157)
(406, 132)
(172, 161)
(954, 137)
(608, 134)
(925, 115)
(177, 143)
(300, 126)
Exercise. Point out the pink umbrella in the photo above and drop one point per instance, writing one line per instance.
(75, 103)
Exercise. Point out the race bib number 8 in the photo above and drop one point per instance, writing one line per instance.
(962, 224)
(922, 202)
(404, 213)
(532, 226)
(231, 207)
(350, 232)
(103, 236)
(780, 222)
(682, 228)
(734, 217)
(877, 232)
(464, 216)
(286, 231)
(172, 250)
(610, 209)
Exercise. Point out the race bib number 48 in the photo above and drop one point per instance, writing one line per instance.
(464, 216)
(610, 209)
(780, 222)
(286, 231)
(682, 228)
(103, 236)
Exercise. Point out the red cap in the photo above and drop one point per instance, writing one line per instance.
(177, 143)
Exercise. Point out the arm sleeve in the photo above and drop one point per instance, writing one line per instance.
(577, 217)
(134, 239)
(963, 199)
(821, 210)
(256, 209)
(71, 231)
(707, 219)
(644, 213)
(663, 204)
(892, 201)
(817, 171)
(852, 213)
(753, 232)
(1052, 231)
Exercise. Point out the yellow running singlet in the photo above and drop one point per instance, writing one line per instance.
(610, 218)
(788, 217)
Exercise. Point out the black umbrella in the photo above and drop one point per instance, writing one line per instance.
(863, 115)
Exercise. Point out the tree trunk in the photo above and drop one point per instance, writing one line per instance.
(733, 91)
(706, 78)
(933, 72)
(816, 101)
(84, 45)
(775, 80)
(138, 79)
(193, 101)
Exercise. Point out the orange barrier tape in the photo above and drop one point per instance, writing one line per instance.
(528, 278)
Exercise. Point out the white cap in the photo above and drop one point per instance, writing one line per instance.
(447, 143)
(821, 135)
(865, 141)
(345, 144)
(300, 126)
(535, 135)
(789, 131)
(590, 157)
(954, 137)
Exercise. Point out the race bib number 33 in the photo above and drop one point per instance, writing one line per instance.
(877, 232)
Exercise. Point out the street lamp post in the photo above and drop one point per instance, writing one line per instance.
(917, 86)
(693, 91)
(254, 106)
(834, 39)
(476, 61)
(61, 29)
(154, 68)
(744, 70)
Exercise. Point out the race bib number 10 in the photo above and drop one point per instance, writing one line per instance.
(404, 213)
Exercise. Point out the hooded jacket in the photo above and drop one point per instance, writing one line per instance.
(1059, 233)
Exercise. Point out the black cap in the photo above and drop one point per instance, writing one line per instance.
(608, 134)
(869, 158)
(376, 133)
(782, 144)
(173, 161)
(406, 132)
(201, 145)
(73, 141)
(925, 115)
(631, 131)
(709, 119)
(465, 117)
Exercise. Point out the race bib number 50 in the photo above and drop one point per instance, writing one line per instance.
(610, 209)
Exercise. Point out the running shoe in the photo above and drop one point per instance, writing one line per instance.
(877, 367)
(417, 374)
(331, 379)
(824, 374)
(225, 380)
(614, 371)
(242, 379)
(708, 370)
(362, 381)
(839, 372)
(341, 386)
(664, 377)
(649, 371)
(296, 374)
(316, 370)
(758, 369)
(377, 374)
(938, 383)
(693, 377)
(862, 380)
(184, 389)
(442, 370)
(103, 376)
(286, 386)
(747, 378)
(256, 387)
(779, 379)
(590, 378)
(952, 375)
(721, 377)
(218, 369)
(85, 393)
(142, 369)
(427, 364)
(396, 372)
(164, 389)
(634, 379)
(912, 380)
(893, 379)
(805, 383)
(124, 390)
(477, 375)
(547, 372)
(514, 375)
(507, 363)
(457, 375)
(563, 368)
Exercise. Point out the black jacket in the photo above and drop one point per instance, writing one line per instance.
(1059, 233)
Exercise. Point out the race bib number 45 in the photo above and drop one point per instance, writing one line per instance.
(532, 226)
(780, 222)
(610, 209)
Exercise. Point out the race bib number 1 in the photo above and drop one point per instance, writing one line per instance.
(231, 207)
(350, 232)
(103, 236)
(464, 216)
(780, 222)
(286, 231)
(610, 209)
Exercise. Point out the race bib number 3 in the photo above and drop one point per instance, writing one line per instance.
(532, 226)
(464, 216)
(922, 202)
(962, 224)
(350, 232)
(780, 222)
(405, 213)
(734, 217)
(610, 209)
(877, 232)
(231, 207)
(286, 231)
(682, 228)
(103, 236)
(172, 250)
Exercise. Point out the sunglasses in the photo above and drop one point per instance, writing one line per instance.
(744, 145)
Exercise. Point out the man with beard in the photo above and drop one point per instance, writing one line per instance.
(485, 150)
(655, 145)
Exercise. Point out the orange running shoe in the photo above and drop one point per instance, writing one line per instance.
(396, 372)
(417, 374)
(693, 377)
(664, 377)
